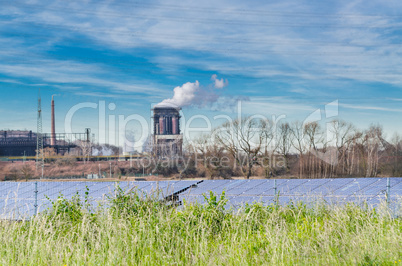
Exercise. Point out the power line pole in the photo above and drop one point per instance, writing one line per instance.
(39, 137)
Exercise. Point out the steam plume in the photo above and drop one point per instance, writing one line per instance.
(192, 93)
(183, 95)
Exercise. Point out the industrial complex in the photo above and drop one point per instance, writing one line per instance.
(27, 143)
(167, 140)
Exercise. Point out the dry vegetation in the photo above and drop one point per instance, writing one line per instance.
(25, 171)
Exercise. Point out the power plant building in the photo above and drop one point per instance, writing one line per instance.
(17, 143)
(24, 143)
(167, 140)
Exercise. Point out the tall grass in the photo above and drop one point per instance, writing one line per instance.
(135, 231)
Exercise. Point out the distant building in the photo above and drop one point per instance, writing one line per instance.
(17, 143)
(167, 140)
(23, 143)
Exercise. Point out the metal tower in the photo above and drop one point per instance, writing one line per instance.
(39, 137)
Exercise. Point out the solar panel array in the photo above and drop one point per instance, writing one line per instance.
(371, 191)
(18, 200)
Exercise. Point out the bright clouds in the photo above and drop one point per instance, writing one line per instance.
(183, 95)
(268, 41)
(308, 52)
(192, 93)
(219, 83)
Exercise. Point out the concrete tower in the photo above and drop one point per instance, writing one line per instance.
(167, 139)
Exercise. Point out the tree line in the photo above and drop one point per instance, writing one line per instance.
(256, 146)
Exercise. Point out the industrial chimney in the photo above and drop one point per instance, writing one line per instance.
(53, 127)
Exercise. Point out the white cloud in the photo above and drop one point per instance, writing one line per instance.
(219, 83)
(65, 74)
(192, 93)
(183, 95)
(373, 108)
(267, 41)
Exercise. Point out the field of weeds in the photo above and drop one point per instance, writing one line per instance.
(134, 231)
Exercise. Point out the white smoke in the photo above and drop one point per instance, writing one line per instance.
(102, 151)
(191, 93)
(219, 83)
(183, 95)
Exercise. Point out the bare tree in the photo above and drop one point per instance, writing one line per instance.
(341, 150)
(268, 136)
(243, 140)
(343, 133)
(212, 157)
(298, 142)
(284, 142)
(203, 144)
(86, 149)
(372, 139)
(312, 131)
(27, 172)
(396, 143)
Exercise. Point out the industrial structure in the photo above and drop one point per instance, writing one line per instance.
(167, 140)
(27, 143)
(24, 143)
(53, 126)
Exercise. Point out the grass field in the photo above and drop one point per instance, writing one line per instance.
(134, 231)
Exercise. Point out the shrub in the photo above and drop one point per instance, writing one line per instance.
(166, 170)
(72, 210)
(66, 161)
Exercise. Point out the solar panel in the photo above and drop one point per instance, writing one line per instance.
(270, 188)
(332, 186)
(279, 200)
(246, 184)
(380, 187)
(18, 198)
(24, 190)
(238, 191)
(286, 187)
(376, 201)
(396, 189)
(334, 199)
(6, 187)
(100, 191)
(209, 185)
(238, 202)
(192, 199)
(227, 187)
(253, 187)
(158, 189)
(309, 186)
(17, 208)
(259, 188)
(241, 200)
(356, 186)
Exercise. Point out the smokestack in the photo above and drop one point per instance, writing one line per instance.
(53, 127)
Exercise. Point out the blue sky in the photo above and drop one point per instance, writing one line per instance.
(280, 58)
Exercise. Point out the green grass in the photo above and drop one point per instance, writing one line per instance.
(136, 231)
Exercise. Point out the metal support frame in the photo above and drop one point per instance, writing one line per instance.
(39, 138)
